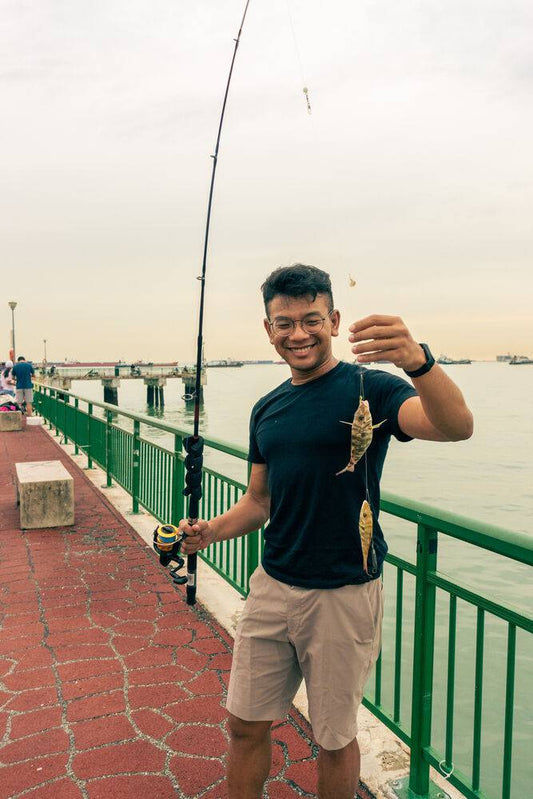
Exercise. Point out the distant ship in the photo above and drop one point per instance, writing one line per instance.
(446, 361)
(518, 360)
(225, 362)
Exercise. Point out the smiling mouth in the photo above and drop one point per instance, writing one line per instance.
(301, 349)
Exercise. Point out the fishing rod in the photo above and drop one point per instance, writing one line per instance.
(167, 543)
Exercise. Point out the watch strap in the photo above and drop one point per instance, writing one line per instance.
(422, 370)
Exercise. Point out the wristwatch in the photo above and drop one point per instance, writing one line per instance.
(422, 370)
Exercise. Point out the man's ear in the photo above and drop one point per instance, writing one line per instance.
(268, 329)
(335, 322)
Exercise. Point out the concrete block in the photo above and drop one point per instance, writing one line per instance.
(34, 421)
(45, 493)
(10, 420)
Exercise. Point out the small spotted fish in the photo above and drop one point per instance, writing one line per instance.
(361, 434)
(365, 532)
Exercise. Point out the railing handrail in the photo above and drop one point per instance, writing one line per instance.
(216, 443)
(512, 544)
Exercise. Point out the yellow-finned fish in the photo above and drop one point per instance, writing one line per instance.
(361, 434)
(365, 531)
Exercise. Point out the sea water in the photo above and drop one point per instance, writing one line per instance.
(487, 478)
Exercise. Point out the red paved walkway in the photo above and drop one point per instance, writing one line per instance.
(110, 685)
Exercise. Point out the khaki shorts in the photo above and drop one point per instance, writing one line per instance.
(24, 394)
(329, 637)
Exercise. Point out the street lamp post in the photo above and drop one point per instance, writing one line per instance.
(44, 341)
(13, 305)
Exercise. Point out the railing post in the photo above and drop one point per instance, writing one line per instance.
(135, 465)
(76, 414)
(178, 481)
(53, 402)
(423, 652)
(108, 456)
(66, 400)
(89, 425)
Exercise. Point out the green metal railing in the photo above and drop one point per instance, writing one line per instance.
(154, 476)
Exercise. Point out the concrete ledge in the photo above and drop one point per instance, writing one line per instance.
(34, 421)
(45, 493)
(10, 420)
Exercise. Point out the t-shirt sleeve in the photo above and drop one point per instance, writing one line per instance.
(389, 392)
(254, 455)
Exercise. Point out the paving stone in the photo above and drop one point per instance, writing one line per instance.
(36, 678)
(210, 646)
(173, 637)
(220, 662)
(94, 706)
(34, 659)
(88, 668)
(152, 723)
(33, 699)
(136, 787)
(106, 730)
(158, 675)
(155, 695)
(298, 747)
(66, 654)
(304, 775)
(23, 776)
(196, 774)
(46, 743)
(35, 721)
(59, 789)
(137, 756)
(200, 708)
(94, 685)
(207, 683)
(198, 739)
(149, 656)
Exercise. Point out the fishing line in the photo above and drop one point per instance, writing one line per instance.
(297, 49)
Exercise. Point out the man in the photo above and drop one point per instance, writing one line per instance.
(23, 372)
(314, 610)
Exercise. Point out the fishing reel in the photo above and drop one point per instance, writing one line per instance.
(167, 544)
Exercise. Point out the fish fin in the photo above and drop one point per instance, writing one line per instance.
(349, 423)
(375, 426)
(349, 468)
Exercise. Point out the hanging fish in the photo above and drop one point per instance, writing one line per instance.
(365, 531)
(361, 434)
(352, 281)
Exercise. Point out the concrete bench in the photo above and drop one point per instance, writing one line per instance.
(45, 493)
(10, 420)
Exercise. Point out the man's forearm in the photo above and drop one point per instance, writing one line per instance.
(247, 515)
(444, 404)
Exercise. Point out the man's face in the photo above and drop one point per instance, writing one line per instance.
(307, 351)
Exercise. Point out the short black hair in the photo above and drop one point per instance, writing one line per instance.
(298, 280)
(21, 358)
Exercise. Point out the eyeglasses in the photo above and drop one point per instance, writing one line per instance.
(283, 326)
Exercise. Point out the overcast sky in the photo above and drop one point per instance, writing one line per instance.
(413, 174)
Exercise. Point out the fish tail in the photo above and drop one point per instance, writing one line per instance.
(349, 468)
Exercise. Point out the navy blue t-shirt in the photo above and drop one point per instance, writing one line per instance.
(312, 539)
(23, 371)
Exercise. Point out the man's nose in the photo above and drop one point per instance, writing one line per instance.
(298, 330)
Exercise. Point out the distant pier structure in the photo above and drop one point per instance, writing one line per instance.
(155, 376)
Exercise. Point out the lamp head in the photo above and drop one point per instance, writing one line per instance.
(12, 305)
